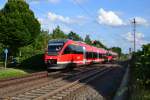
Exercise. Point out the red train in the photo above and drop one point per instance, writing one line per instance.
(65, 53)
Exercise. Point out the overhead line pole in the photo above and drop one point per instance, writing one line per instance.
(134, 33)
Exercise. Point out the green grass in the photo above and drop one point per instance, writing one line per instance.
(9, 73)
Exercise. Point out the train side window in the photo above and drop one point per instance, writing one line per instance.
(87, 55)
(72, 47)
(104, 55)
(79, 50)
(94, 55)
(100, 55)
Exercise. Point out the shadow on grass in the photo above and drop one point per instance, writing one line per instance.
(32, 64)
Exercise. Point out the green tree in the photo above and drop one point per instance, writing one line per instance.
(74, 36)
(88, 40)
(1, 50)
(58, 34)
(41, 41)
(117, 50)
(98, 44)
(18, 25)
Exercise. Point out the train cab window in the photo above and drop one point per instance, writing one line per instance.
(55, 47)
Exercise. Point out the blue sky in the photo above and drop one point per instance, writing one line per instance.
(106, 20)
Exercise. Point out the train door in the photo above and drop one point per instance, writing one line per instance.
(84, 55)
(67, 55)
(98, 56)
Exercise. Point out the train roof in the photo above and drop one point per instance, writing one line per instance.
(80, 43)
(113, 53)
(58, 41)
(91, 48)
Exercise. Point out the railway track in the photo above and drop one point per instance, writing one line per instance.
(13, 86)
(71, 87)
(60, 87)
(11, 81)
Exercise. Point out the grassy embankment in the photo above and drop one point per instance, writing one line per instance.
(10, 73)
(26, 66)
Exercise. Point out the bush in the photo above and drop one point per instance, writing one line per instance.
(142, 66)
(140, 74)
(33, 63)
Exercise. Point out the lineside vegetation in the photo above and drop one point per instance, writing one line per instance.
(140, 74)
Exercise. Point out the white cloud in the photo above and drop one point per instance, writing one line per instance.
(38, 1)
(67, 20)
(50, 26)
(59, 19)
(55, 17)
(52, 20)
(109, 18)
(41, 20)
(139, 38)
(52, 17)
(141, 21)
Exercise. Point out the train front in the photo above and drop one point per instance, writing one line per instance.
(52, 54)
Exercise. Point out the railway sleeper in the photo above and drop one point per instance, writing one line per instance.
(71, 89)
(70, 93)
(44, 90)
(16, 98)
(61, 94)
(57, 97)
(32, 94)
(26, 97)
(48, 89)
(51, 99)
(56, 86)
(39, 92)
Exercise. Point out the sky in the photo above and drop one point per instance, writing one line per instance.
(109, 21)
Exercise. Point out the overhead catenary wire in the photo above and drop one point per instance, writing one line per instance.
(89, 14)
(85, 11)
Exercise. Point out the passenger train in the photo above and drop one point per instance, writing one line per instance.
(111, 56)
(66, 53)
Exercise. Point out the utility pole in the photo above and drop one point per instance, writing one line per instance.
(134, 30)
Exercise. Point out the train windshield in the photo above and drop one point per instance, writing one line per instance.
(55, 47)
